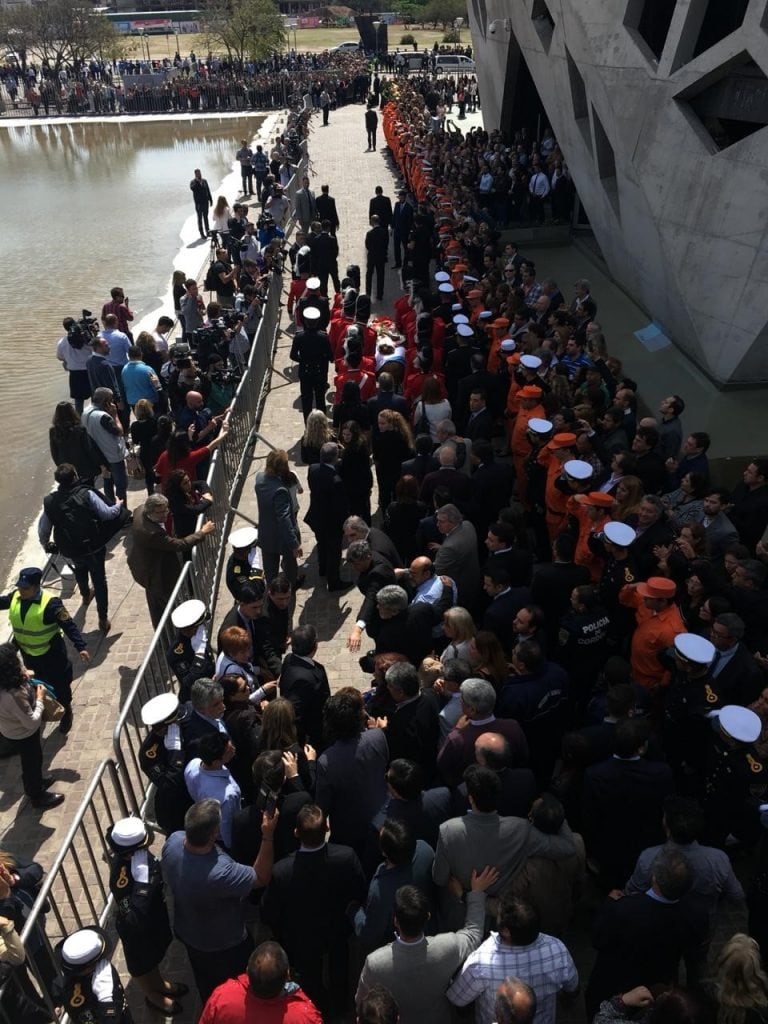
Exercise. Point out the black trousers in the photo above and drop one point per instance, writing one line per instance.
(312, 390)
(93, 565)
(202, 219)
(371, 138)
(211, 969)
(30, 750)
(329, 553)
(397, 245)
(378, 266)
(53, 667)
(326, 111)
(247, 176)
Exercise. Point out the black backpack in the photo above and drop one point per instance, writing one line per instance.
(76, 529)
(211, 282)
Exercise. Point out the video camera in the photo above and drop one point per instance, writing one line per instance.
(83, 331)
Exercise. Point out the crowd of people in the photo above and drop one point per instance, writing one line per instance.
(561, 624)
(186, 84)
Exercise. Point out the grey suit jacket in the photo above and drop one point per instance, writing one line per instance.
(418, 974)
(720, 533)
(457, 558)
(478, 839)
(277, 521)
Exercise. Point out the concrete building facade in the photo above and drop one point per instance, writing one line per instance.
(660, 108)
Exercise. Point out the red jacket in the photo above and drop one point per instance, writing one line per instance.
(234, 1003)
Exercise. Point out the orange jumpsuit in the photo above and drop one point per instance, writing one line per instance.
(517, 434)
(655, 632)
(554, 499)
(584, 555)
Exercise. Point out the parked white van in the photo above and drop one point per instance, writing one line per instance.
(457, 62)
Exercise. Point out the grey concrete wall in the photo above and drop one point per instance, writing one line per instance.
(683, 224)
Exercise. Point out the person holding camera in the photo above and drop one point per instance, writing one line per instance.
(77, 516)
(226, 277)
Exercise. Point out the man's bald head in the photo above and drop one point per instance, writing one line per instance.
(492, 750)
(420, 569)
(515, 1002)
(447, 455)
(194, 400)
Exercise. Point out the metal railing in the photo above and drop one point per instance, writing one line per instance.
(74, 894)
(201, 576)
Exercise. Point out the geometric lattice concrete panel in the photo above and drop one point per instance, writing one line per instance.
(543, 23)
(731, 103)
(721, 17)
(674, 136)
(651, 19)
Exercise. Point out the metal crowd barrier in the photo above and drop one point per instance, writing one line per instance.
(74, 894)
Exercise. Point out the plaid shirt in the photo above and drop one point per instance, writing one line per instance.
(545, 964)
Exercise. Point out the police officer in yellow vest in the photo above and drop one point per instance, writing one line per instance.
(38, 620)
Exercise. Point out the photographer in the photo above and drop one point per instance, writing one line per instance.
(226, 276)
(237, 225)
(74, 350)
(249, 244)
(251, 308)
(218, 384)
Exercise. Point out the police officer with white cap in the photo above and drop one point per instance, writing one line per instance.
(614, 546)
(687, 701)
(162, 759)
(736, 780)
(136, 884)
(312, 299)
(190, 655)
(244, 564)
(311, 349)
(89, 987)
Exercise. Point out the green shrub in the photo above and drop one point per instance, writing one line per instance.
(407, 39)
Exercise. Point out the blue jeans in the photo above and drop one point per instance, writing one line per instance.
(116, 483)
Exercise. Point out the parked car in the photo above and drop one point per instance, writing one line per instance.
(455, 62)
(346, 47)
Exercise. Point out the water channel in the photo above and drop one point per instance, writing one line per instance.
(84, 207)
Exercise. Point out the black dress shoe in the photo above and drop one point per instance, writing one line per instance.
(338, 585)
(46, 801)
(66, 722)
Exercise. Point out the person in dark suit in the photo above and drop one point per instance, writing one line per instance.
(385, 398)
(447, 478)
(402, 221)
(306, 905)
(653, 529)
(376, 247)
(518, 785)
(201, 716)
(311, 349)
(278, 772)
(491, 489)
(325, 257)
(381, 206)
(356, 528)
(305, 683)
(641, 939)
(735, 674)
(649, 466)
(504, 552)
(248, 613)
(327, 511)
(506, 602)
(422, 810)
(374, 572)
(480, 421)
(553, 583)
(412, 729)
(423, 462)
(623, 796)
(405, 629)
(479, 379)
(326, 208)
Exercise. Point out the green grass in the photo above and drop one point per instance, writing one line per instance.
(306, 40)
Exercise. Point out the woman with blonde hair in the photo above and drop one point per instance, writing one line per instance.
(392, 445)
(459, 629)
(317, 431)
(739, 988)
(629, 494)
(278, 732)
(220, 220)
(143, 431)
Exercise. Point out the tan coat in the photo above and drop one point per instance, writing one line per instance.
(154, 555)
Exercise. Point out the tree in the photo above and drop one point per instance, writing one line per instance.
(445, 12)
(62, 32)
(247, 29)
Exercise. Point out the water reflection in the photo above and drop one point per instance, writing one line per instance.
(85, 206)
